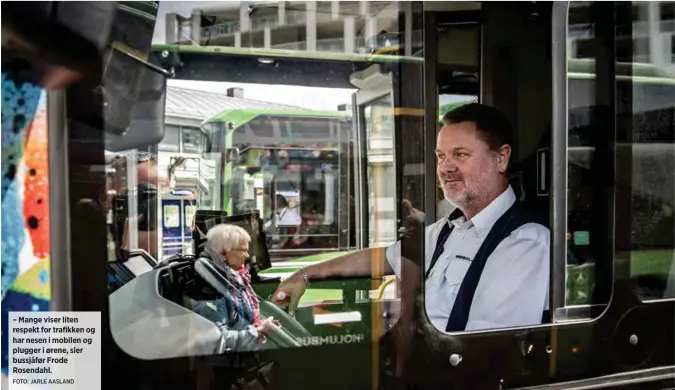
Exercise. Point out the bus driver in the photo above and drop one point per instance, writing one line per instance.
(487, 264)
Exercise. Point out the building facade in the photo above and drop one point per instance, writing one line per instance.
(365, 26)
(336, 26)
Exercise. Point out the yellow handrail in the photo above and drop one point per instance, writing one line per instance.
(380, 291)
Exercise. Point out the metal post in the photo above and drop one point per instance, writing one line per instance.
(132, 201)
(244, 18)
(559, 157)
(431, 112)
(311, 26)
(350, 34)
(281, 13)
(59, 210)
(267, 38)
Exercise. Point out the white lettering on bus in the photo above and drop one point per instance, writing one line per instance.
(335, 339)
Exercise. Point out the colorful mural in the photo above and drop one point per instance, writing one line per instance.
(25, 200)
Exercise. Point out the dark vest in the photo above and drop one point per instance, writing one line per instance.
(511, 220)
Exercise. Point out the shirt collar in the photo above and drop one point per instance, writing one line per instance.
(486, 218)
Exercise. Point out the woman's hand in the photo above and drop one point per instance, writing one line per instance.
(268, 326)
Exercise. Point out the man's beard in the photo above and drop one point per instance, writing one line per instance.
(458, 200)
(463, 199)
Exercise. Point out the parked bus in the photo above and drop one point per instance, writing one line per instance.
(306, 157)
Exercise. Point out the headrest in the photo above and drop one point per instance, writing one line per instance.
(211, 275)
(516, 182)
(251, 222)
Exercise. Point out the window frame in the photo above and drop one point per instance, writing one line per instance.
(560, 312)
(621, 304)
(361, 169)
(605, 92)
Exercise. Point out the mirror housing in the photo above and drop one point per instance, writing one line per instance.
(134, 95)
(50, 34)
(231, 155)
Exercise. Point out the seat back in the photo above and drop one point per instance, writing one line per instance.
(530, 179)
(147, 326)
(531, 185)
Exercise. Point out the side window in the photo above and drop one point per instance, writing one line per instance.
(645, 153)
(642, 154)
(192, 141)
(647, 124)
(171, 141)
(580, 270)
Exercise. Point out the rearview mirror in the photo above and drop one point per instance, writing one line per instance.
(231, 155)
(134, 96)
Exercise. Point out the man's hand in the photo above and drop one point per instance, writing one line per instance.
(289, 292)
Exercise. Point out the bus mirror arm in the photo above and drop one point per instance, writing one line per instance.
(152, 66)
(169, 59)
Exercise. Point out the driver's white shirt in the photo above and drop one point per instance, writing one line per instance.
(288, 217)
(514, 286)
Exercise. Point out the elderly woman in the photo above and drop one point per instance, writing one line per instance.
(237, 313)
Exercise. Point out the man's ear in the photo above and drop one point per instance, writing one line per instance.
(503, 158)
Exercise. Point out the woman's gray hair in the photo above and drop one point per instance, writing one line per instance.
(225, 237)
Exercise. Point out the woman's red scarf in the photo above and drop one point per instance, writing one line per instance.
(252, 297)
